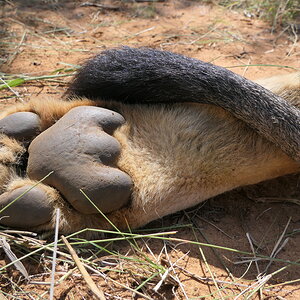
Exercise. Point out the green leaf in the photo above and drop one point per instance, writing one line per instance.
(12, 83)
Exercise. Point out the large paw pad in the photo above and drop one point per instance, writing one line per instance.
(82, 154)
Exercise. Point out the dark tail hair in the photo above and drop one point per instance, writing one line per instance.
(145, 75)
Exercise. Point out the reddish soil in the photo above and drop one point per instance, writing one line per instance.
(41, 37)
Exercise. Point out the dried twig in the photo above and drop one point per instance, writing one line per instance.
(88, 279)
(54, 254)
(142, 1)
(102, 6)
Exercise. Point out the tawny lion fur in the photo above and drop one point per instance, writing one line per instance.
(205, 152)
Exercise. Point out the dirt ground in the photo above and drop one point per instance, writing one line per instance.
(48, 37)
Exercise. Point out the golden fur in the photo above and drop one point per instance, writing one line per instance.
(10, 151)
(177, 156)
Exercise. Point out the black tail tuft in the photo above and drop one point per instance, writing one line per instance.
(140, 75)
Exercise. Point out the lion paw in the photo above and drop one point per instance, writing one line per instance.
(82, 154)
(79, 152)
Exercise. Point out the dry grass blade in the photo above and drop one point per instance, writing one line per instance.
(17, 48)
(54, 254)
(2, 297)
(88, 279)
(253, 288)
(5, 84)
(277, 248)
(13, 258)
(277, 200)
(118, 283)
(163, 277)
(253, 251)
(101, 6)
(22, 232)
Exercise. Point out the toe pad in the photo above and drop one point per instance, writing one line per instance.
(22, 126)
(32, 209)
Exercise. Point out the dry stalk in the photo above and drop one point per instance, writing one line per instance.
(88, 279)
